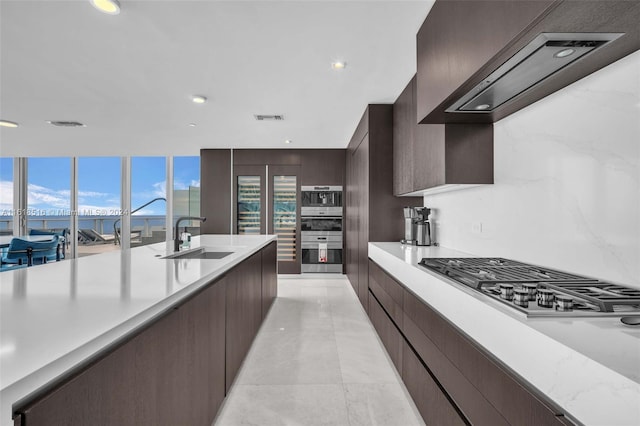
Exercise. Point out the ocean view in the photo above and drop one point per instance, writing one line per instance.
(101, 224)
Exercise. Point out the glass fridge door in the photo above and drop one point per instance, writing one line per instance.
(285, 216)
(248, 213)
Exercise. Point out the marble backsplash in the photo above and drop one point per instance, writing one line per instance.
(567, 183)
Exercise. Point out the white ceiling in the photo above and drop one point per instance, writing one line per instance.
(129, 77)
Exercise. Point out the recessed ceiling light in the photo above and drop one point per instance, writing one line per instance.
(5, 123)
(338, 65)
(564, 53)
(198, 99)
(192, 124)
(110, 7)
(288, 141)
(482, 107)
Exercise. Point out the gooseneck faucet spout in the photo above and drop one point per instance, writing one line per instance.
(176, 236)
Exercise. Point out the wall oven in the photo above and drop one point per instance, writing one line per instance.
(321, 200)
(321, 229)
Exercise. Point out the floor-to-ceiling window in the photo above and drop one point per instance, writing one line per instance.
(186, 191)
(48, 199)
(99, 211)
(148, 200)
(6, 196)
(48, 194)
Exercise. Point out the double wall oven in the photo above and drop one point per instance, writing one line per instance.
(321, 229)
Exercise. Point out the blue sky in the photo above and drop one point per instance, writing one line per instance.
(98, 183)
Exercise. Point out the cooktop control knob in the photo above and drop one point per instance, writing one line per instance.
(546, 298)
(521, 297)
(564, 303)
(532, 290)
(506, 291)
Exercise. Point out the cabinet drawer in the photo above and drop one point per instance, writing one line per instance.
(386, 329)
(467, 397)
(430, 400)
(388, 292)
(512, 400)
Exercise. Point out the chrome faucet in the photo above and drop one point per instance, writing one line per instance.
(176, 240)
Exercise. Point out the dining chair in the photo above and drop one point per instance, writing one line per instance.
(22, 252)
(62, 233)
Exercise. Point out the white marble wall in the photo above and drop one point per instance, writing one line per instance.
(567, 183)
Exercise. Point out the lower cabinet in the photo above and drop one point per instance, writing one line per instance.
(386, 329)
(244, 312)
(432, 402)
(177, 369)
(269, 277)
(450, 378)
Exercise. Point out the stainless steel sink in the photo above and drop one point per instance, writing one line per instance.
(201, 253)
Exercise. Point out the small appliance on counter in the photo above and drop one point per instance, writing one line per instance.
(417, 230)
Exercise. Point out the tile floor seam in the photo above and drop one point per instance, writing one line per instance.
(361, 402)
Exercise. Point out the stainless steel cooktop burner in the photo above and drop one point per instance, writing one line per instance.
(538, 291)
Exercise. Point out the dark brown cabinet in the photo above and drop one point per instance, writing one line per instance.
(219, 169)
(236, 183)
(461, 42)
(372, 213)
(387, 330)
(269, 277)
(244, 312)
(451, 379)
(427, 156)
(404, 139)
(170, 373)
(175, 370)
(430, 399)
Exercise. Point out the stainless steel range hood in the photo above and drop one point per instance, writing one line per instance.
(545, 55)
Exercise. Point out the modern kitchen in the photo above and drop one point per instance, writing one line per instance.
(403, 212)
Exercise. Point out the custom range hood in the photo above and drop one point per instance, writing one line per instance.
(545, 55)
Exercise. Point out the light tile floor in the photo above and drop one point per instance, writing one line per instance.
(317, 361)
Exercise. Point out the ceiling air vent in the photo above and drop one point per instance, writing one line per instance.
(66, 123)
(266, 117)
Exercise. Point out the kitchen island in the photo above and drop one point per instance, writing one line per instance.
(586, 370)
(75, 328)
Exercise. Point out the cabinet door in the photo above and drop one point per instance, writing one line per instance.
(283, 215)
(386, 329)
(486, 391)
(404, 126)
(351, 222)
(243, 312)
(361, 160)
(249, 202)
(269, 277)
(171, 373)
(431, 401)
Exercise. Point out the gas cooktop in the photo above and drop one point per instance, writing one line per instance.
(538, 291)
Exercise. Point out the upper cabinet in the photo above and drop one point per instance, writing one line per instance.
(428, 156)
(492, 58)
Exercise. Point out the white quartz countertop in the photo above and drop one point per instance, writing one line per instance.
(55, 316)
(590, 367)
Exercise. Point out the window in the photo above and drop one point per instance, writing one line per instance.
(48, 194)
(148, 200)
(186, 191)
(6, 196)
(99, 188)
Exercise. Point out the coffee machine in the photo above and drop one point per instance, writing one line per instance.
(417, 230)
